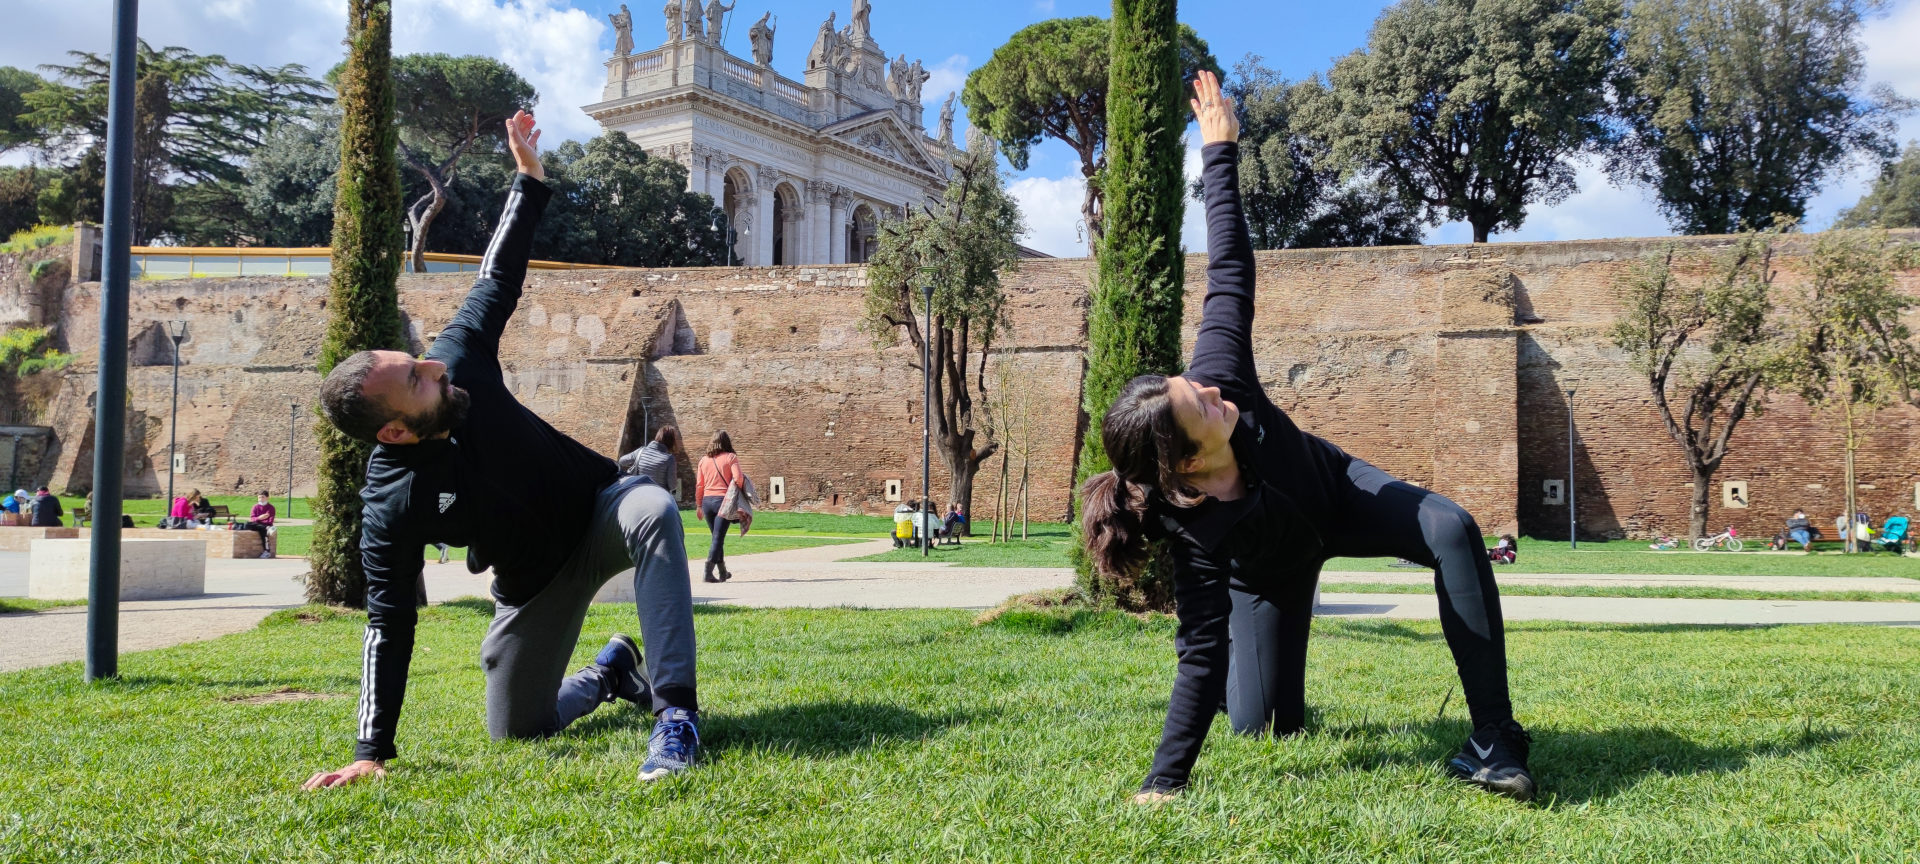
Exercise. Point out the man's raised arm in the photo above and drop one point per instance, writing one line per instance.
(475, 329)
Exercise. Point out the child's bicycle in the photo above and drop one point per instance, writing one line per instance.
(1728, 539)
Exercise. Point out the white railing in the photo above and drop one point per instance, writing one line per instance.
(789, 91)
(652, 61)
(741, 71)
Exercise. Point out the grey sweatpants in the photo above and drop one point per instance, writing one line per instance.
(527, 650)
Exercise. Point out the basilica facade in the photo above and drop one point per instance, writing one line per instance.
(805, 170)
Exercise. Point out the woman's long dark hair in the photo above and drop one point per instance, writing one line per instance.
(1145, 446)
(721, 443)
(668, 437)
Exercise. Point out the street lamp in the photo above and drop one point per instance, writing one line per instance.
(293, 413)
(110, 410)
(1573, 539)
(177, 330)
(926, 435)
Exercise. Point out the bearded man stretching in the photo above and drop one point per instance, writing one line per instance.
(460, 461)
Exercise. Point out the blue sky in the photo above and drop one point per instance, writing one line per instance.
(560, 44)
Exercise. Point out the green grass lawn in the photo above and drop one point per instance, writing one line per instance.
(1671, 592)
(1049, 542)
(295, 540)
(9, 605)
(839, 735)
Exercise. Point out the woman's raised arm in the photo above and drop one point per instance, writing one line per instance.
(1223, 352)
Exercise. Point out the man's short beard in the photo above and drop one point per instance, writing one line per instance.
(442, 418)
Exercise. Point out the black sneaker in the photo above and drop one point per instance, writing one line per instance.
(1495, 759)
(625, 671)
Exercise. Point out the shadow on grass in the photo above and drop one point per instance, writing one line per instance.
(812, 730)
(1571, 766)
(824, 729)
(137, 684)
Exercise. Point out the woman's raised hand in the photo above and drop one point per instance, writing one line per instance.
(1214, 110)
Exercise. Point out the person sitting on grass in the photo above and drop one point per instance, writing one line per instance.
(1505, 552)
(457, 459)
(1248, 508)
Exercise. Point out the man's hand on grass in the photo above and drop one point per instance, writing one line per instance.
(354, 773)
(524, 141)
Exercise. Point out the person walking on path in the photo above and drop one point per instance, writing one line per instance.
(655, 460)
(459, 460)
(1249, 507)
(717, 470)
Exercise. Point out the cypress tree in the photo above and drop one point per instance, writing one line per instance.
(364, 300)
(1133, 327)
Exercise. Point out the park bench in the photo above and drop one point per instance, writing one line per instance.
(81, 516)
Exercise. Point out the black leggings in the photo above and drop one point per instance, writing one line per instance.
(1378, 516)
(717, 550)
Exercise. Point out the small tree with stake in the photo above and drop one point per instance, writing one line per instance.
(1850, 352)
(1705, 347)
(964, 243)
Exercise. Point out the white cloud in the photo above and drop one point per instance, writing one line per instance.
(553, 46)
(1193, 224)
(947, 77)
(1044, 7)
(1052, 211)
(1599, 210)
(556, 48)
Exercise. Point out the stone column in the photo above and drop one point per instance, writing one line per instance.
(700, 177)
(818, 223)
(837, 228)
(763, 220)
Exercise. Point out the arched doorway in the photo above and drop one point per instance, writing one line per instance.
(737, 202)
(863, 234)
(786, 225)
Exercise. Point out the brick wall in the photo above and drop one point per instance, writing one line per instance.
(1408, 357)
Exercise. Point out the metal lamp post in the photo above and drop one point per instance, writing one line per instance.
(1573, 522)
(293, 414)
(177, 330)
(110, 406)
(926, 435)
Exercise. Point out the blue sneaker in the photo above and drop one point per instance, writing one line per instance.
(672, 748)
(625, 671)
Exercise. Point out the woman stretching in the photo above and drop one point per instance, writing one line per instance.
(1249, 507)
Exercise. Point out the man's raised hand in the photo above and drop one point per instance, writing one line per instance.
(524, 141)
(1214, 110)
(354, 773)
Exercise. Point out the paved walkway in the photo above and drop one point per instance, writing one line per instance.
(1886, 584)
(242, 592)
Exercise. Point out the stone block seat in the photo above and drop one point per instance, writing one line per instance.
(220, 542)
(149, 569)
(19, 538)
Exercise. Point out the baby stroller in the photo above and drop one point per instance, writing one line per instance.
(1893, 535)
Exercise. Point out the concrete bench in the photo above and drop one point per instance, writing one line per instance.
(220, 542)
(149, 569)
(20, 539)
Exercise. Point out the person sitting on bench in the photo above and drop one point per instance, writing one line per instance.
(259, 521)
